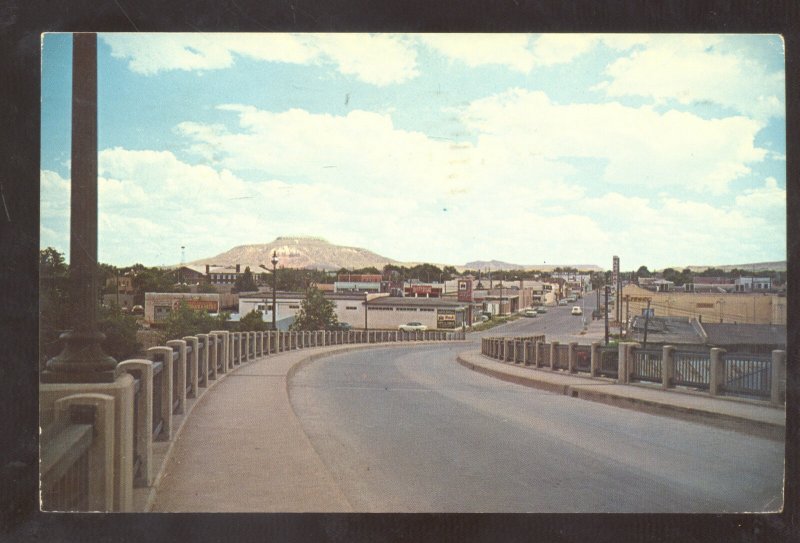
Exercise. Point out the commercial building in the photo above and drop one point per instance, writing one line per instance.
(360, 310)
(726, 307)
(158, 305)
(389, 312)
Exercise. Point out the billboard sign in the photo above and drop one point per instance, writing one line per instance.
(465, 290)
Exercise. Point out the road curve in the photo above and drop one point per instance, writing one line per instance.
(410, 430)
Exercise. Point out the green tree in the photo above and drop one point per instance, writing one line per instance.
(253, 322)
(150, 280)
(185, 321)
(316, 312)
(56, 312)
(643, 272)
(246, 282)
(207, 288)
(120, 331)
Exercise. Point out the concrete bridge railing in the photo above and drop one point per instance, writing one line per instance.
(713, 370)
(99, 439)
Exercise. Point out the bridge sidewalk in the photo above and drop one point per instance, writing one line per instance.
(241, 448)
(751, 417)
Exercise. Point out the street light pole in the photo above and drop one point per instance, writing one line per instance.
(274, 288)
(82, 359)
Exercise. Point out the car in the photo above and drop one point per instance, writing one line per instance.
(562, 302)
(529, 313)
(412, 327)
(542, 310)
(576, 310)
(342, 326)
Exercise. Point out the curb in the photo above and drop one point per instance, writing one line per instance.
(589, 392)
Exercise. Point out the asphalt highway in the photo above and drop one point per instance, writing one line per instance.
(410, 430)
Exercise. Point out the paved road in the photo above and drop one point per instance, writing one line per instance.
(558, 323)
(410, 430)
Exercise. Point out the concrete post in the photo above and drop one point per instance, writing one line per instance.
(180, 387)
(778, 377)
(553, 354)
(101, 453)
(193, 362)
(595, 360)
(252, 346)
(526, 347)
(571, 357)
(164, 354)
(622, 364)
(717, 372)
(213, 354)
(202, 360)
(667, 366)
(143, 447)
(536, 354)
(223, 352)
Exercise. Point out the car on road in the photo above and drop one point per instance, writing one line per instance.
(412, 327)
(562, 302)
(542, 310)
(576, 310)
(529, 313)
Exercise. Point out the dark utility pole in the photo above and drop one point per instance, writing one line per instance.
(605, 311)
(82, 359)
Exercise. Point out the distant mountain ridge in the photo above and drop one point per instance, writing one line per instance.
(298, 252)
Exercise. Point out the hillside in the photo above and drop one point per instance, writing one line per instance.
(779, 266)
(299, 252)
(500, 265)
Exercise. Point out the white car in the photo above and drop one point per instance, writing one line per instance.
(412, 327)
(576, 310)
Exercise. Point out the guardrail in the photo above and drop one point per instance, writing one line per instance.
(715, 371)
(82, 449)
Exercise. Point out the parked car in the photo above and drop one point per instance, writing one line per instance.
(529, 313)
(412, 327)
(542, 309)
(576, 310)
(342, 326)
(562, 302)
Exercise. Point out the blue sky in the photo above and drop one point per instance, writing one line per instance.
(566, 149)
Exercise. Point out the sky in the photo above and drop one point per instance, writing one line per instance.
(447, 148)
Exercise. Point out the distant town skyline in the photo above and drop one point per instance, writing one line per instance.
(555, 148)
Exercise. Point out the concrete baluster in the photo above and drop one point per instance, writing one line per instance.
(778, 377)
(717, 371)
(179, 346)
(553, 354)
(101, 452)
(595, 359)
(164, 355)
(202, 360)
(143, 447)
(193, 362)
(667, 366)
(571, 357)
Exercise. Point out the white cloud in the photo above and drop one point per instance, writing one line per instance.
(697, 69)
(524, 52)
(474, 50)
(764, 200)
(377, 59)
(639, 145)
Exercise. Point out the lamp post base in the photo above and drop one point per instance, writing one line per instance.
(81, 361)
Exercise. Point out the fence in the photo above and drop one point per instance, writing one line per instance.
(75, 470)
(752, 376)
